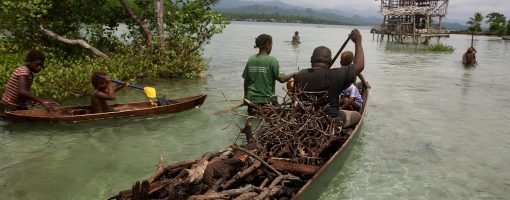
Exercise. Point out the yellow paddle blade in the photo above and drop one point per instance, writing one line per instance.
(150, 92)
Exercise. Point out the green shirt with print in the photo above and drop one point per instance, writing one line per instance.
(261, 72)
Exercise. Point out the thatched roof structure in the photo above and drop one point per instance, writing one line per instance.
(409, 10)
(414, 7)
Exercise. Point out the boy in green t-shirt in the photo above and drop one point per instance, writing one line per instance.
(260, 74)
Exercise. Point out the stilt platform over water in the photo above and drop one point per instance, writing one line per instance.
(411, 20)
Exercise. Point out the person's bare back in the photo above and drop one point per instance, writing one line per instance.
(469, 57)
(103, 91)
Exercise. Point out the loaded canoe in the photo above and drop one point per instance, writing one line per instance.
(249, 172)
(75, 113)
(318, 183)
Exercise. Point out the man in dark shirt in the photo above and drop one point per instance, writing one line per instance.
(320, 78)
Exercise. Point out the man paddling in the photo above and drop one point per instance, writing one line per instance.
(320, 78)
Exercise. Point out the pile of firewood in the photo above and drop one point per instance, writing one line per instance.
(293, 140)
(235, 173)
(298, 131)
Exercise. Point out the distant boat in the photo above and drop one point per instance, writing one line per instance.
(506, 37)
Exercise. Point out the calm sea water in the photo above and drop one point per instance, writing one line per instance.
(434, 129)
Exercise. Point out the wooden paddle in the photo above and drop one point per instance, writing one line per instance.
(340, 51)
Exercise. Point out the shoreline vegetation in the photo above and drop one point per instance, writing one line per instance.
(280, 19)
(464, 32)
(166, 39)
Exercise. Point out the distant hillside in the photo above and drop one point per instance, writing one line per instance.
(453, 26)
(281, 12)
(278, 11)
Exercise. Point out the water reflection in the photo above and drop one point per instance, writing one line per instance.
(466, 79)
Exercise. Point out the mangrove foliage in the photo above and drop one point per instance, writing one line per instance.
(128, 39)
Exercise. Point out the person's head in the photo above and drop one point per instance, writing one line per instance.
(471, 50)
(321, 57)
(98, 80)
(346, 58)
(35, 60)
(296, 33)
(264, 42)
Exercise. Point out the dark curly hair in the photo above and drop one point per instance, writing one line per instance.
(34, 55)
(97, 78)
(262, 40)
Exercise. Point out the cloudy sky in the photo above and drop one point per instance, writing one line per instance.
(457, 9)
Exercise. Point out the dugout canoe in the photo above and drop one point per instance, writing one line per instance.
(315, 186)
(75, 113)
(230, 174)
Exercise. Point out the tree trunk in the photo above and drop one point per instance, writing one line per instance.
(160, 9)
(143, 25)
(64, 40)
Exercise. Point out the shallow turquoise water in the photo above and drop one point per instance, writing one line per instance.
(434, 129)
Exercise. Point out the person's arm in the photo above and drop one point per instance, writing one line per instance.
(109, 94)
(345, 102)
(24, 90)
(348, 100)
(119, 87)
(363, 82)
(359, 56)
(287, 77)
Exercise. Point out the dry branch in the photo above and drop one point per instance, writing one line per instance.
(144, 27)
(223, 195)
(80, 42)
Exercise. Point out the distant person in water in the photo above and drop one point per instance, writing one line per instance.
(17, 90)
(103, 90)
(469, 57)
(295, 38)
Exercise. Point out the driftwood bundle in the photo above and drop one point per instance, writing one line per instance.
(293, 140)
(299, 131)
(235, 173)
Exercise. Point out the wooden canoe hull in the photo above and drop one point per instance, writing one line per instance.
(319, 182)
(129, 109)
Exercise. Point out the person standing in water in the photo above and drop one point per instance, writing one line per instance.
(469, 57)
(295, 38)
(260, 73)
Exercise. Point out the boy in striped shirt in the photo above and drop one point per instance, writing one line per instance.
(17, 90)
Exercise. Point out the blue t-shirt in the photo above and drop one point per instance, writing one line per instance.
(352, 91)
